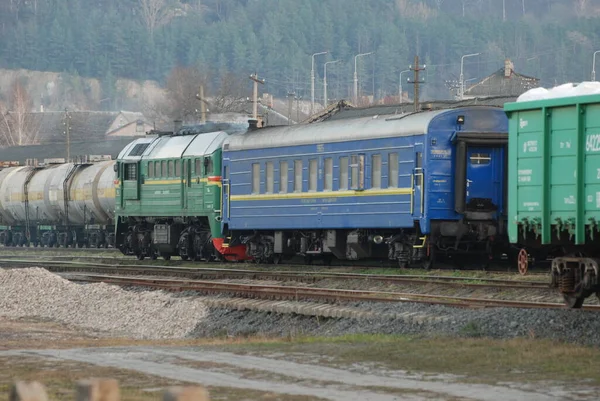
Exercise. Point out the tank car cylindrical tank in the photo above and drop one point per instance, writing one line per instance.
(12, 199)
(85, 221)
(92, 194)
(46, 194)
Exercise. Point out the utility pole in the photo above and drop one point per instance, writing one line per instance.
(416, 82)
(325, 100)
(462, 76)
(356, 76)
(200, 96)
(594, 65)
(257, 81)
(312, 81)
(67, 132)
(291, 96)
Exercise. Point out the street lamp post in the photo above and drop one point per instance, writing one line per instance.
(356, 76)
(462, 77)
(312, 81)
(325, 81)
(594, 65)
(400, 86)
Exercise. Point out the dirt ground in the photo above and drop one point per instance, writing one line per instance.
(352, 368)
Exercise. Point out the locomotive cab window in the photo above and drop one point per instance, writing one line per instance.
(480, 158)
(130, 172)
(208, 165)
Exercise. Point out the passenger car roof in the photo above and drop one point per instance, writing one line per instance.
(334, 131)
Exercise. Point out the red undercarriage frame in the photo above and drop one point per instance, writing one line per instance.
(235, 253)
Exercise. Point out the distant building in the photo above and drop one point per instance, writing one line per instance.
(504, 82)
(87, 125)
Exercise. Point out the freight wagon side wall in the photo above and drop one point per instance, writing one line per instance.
(554, 169)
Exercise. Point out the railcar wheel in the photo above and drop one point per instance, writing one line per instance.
(523, 262)
(573, 301)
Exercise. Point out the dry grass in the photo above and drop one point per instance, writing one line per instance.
(481, 360)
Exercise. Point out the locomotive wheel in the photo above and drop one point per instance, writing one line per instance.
(523, 261)
(140, 256)
(573, 301)
(166, 256)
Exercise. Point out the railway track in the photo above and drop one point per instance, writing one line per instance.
(307, 293)
(216, 273)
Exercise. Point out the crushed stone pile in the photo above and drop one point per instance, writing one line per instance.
(35, 292)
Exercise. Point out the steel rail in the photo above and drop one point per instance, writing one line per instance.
(298, 293)
(215, 273)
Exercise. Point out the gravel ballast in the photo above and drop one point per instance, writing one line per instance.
(145, 314)
(37, 293)
(573, 326)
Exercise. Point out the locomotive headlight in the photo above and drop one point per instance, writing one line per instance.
(460, 120)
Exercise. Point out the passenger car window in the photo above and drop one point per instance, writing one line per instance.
(297, 175)
(269, 177)
(312, 174)
(283, 177)
(328, 182)
(480, 158)
(376, 171)
(393, 170)
(343, 173)
(255, 178)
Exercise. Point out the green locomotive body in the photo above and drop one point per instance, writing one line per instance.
(168, 195)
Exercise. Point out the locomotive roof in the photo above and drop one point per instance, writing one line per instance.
(335, 131)
(166, 147)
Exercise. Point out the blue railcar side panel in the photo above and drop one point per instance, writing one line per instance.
(381, 207)
(371, 207)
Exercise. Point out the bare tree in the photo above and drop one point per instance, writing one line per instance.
(17, 125)
(230, 95)
(182, 87)
(154, 14)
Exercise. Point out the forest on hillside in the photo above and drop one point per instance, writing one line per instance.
(145, 39)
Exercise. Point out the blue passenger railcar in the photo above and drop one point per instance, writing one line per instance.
(401, 187)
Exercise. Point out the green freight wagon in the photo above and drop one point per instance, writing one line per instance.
(168, 194)
(554, 189)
